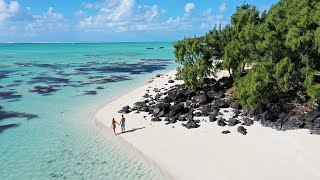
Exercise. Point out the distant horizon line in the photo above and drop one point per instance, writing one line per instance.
(84, 42)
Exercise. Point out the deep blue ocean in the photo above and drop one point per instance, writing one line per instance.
(48, 96)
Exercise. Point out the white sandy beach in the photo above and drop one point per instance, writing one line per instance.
(205, 153)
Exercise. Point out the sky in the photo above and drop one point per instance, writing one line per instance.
(114, 20)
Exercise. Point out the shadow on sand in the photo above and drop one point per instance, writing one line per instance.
(133, 130)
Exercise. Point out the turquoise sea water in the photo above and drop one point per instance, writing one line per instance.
(48, 96)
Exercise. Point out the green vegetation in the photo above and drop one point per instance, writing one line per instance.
(282, 47)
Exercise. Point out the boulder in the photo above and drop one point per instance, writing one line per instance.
(226, 132)
(125, 110)
(215, 95)
(203, 99)
(247, 121)
(197, 114)
(242, 130)
(171, 81)
(221, 122)
(219, 103)
(191, 124)
(155, 119)
(213, 117)
(176, 109)
(312, 115)
(139, 105)
(235, 105)
(232, 122)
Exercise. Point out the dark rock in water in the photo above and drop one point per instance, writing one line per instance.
(235, 105)
(161, 47)
(221, 122)
(171, 81)
(125, 110)
(9, 114)
(312, 115)
(9, 95)
(155, 119)
(219, 103)
(232, 122)
(1, 107)
(242, 130)
(191, 124)
(7, 126)
(90, 93)
(247, 121)
(149, 48)
(226, 132)
(197, 114)
(215, 95)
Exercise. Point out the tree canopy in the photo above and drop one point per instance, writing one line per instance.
(282, 47)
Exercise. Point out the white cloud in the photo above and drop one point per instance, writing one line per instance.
(49, 21)
(8, 10)
(223, 7)
(188, 8)
(120, 16)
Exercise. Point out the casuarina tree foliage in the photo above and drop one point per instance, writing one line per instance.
(281, 48)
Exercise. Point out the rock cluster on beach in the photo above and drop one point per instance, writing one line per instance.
(177, 103)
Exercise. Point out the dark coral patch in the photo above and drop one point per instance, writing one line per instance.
(48, 80)
(44, 90)
(9, 95)
(108, 80)
(12, 114)
(7, 126)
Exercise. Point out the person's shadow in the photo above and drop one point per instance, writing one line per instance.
(133, 130)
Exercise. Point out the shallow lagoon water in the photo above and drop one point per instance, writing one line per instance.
(64, 84)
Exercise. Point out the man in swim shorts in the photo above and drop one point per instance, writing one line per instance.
(122, 123)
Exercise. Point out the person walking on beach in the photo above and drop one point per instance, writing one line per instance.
(122, 122)
(114, 122)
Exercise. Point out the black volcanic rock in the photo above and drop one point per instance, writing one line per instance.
(312, 115)
(155, 119)
(232, 122)
(171, 81)
(226, 132)
(191, 124)
(221, 122)
(125, 110)
(219, 103)
(247, 121)
(242, 130)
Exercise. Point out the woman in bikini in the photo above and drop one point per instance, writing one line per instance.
(114, 122)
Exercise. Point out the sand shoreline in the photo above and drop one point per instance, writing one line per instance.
(206, 153)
